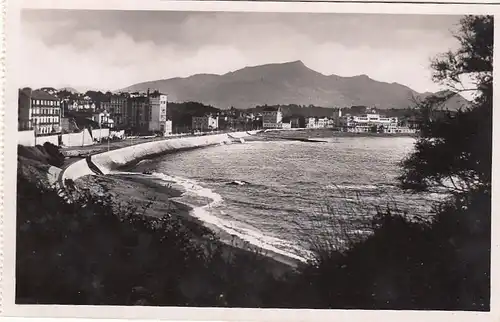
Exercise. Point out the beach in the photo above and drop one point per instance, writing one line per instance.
(155, 199)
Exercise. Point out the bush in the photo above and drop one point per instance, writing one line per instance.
(48, 154)
(93, 251)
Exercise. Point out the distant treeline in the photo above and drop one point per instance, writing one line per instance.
(181, 114)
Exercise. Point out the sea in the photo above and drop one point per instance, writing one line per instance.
(284, 195)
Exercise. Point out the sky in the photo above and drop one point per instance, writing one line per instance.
(109, 50)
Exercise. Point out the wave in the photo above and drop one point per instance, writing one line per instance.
(146, 161)
(262, 206)
(203, 213)
(353, 187)
(361, 187)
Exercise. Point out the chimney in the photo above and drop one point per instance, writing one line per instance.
(28, 91)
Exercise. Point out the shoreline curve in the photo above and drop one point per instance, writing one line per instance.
(105, 162)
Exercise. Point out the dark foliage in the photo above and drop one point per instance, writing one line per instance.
(404, 264)
(182, 113)
(92, 251)
(454, 152)
(47, 154)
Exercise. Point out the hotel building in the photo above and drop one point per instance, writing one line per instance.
(272, 118)
(137, 113)
(117, 106)
(369, 123)
(40, 111)
(158, 113)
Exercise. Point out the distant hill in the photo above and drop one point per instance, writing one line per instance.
(285, 83)
(69, 89)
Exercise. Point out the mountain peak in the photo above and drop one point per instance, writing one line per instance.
(295, 62)
(277, 83)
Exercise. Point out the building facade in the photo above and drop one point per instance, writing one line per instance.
(205, 123)
(40, 111)
(158, 113)
(103, 118)
(168, 127)
(117, 106)
(318, 122)
(137, 115)
(272, 118)
(369, 123)
(81, 105)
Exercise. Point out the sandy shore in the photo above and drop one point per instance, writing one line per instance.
(153, 198)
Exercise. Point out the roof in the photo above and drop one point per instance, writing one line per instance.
(271, 109)
(156, 94)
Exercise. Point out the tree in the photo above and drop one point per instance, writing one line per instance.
(454, 152)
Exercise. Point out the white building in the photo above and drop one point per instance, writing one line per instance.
(272, 118)
(158, 113)
(311, 122)
(317, 123)
(205, 123)
(369, 123)
(168, 127)
(103, 118)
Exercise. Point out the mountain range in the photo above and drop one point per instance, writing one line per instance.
(286, 83)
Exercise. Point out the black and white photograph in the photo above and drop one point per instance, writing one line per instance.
(254, 159)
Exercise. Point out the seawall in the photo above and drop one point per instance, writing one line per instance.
(112, 160)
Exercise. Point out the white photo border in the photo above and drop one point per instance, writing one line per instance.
(8, 114)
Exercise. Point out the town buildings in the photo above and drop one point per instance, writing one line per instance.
(369, 123)
(137, 113)
(272, 118)
(319, 122)
(295, 122)
(134, 112)
(205, 123)
(39, 111)
(117, 106)
(103, 118)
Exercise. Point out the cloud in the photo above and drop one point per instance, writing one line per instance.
(114, 49)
